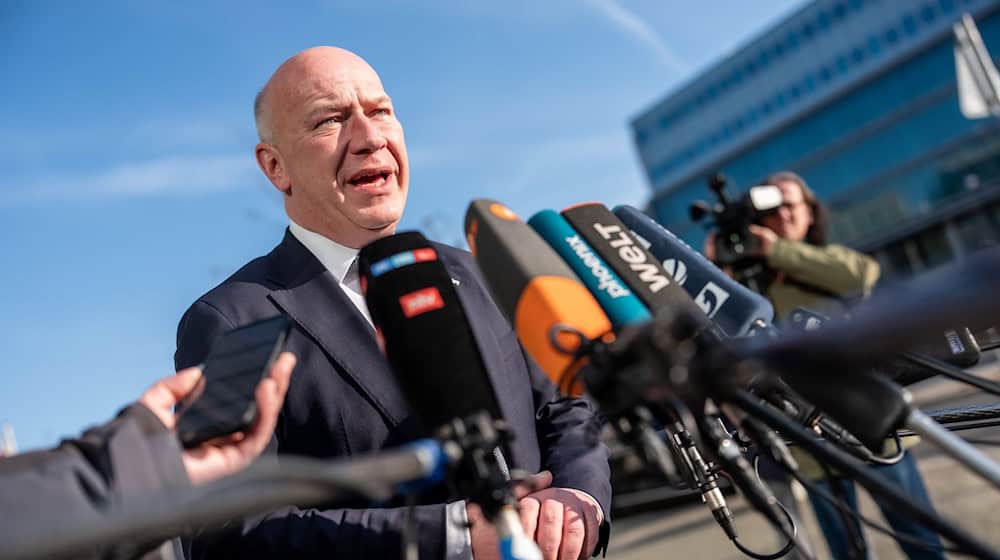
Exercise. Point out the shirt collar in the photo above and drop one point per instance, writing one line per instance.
(334, 256)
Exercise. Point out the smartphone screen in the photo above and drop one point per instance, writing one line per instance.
(224, 402)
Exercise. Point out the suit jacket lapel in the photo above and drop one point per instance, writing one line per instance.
(473, 302)
(313, 299)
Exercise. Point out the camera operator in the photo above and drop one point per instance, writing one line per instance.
(805, 271)
(128, 461)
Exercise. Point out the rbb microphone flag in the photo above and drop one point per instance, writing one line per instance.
(426, 333)
(534, 288)
(620, 304)
(641, 271)
(733, 306)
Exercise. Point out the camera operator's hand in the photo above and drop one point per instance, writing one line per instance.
(225, 455)
(709, 249)
(766, 237)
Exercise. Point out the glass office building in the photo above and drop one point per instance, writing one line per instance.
(860, 98)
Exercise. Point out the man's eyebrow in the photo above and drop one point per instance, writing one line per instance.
(326, 106)
(379, 99)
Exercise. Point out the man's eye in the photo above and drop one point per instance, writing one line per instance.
(383, 111)
(330, 121)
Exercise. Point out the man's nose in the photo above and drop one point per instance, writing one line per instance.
(366, 136)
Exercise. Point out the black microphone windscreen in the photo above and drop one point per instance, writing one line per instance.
(957, 347)
(424, 329)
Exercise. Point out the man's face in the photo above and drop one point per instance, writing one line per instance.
(792, 219)
(339, 149)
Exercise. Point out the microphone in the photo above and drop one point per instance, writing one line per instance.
(957, 347)
(733, 306)
(621, 305)
(867, 404)
(945, 355)
(638, 268)
(415, 307)
(535, 289)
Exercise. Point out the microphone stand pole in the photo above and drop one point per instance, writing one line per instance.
(873, 482)
(961, 450)
(265, 485)
(952, 372)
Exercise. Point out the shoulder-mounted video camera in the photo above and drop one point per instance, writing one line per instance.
(735, 246)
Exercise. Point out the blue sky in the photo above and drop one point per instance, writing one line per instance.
(126, 139)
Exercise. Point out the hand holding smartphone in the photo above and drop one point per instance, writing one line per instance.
(224, 402)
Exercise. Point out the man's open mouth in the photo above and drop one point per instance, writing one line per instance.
(368, 179)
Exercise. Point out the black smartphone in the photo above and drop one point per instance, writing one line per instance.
(223, 402)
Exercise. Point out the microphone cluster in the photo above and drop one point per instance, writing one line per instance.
(688, 368)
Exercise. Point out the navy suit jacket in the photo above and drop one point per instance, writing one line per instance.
(343, 400)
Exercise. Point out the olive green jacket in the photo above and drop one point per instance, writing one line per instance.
(821, 279)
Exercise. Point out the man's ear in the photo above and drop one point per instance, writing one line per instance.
(270, 162)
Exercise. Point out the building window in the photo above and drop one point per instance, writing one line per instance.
(947, 6)
(891, 35)
(856, 5)
(792, 41)
(927, 14)
(823, 21)
(857, 55)
(824, 74)
(841, 64)
(873, 46)
(809, 83)
(807, 31)
(794, 92)
(909, 24)
(763, 59)
(839, 11)
(779, 50)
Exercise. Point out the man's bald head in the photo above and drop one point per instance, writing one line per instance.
(331, 143)
(290, 76)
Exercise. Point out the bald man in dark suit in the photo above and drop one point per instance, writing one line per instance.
(332, 145)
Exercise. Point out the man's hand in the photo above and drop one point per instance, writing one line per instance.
(484, 535)
(766, 237)
(563, 521)
(226, 455)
